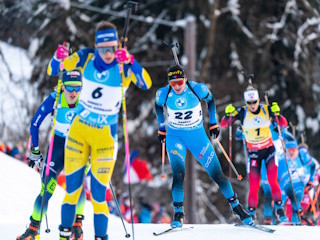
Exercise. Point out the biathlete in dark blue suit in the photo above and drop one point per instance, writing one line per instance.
(185, 130)
(67, 102)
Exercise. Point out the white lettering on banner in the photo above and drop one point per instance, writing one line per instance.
(209, 159)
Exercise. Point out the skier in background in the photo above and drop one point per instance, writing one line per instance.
(286, 135)
(255, 121)
(68, 100)
(94, 129)
(182, 99)
(302, 169)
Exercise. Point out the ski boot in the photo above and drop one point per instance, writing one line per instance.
(32, 232)
(252, 212)
(77, 233)
(178, 215)
(280, 213)
(101, 238)
(65, 233)
(238, 209)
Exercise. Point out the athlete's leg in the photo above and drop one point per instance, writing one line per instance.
(104, 148)
(267, 210)
(200, 146)
(202, 149)
(272, 173)
(76, 157)
(254, 179)
(176, 150)
(56, 165)
(177, 153)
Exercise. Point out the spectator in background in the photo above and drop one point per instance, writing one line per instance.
(2, 147)
(127, 212)
(145, 211)
(159, 215)
(17, 150)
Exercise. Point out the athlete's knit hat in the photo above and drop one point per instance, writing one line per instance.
(251, 94)
(175, 72)
(72, 77)
(292, 144)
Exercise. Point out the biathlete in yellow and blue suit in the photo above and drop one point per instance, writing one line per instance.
(94, 129)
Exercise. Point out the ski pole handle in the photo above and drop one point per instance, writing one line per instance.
(163, 159)
(239, 177)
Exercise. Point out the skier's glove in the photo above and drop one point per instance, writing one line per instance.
(214, 130)
(62, 52)
(275, 108)
(162, 135)
(229, 109)
(123, 56)
(35, 158)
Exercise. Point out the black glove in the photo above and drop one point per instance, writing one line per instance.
(162, 135)
(214, 130)
(35, 158)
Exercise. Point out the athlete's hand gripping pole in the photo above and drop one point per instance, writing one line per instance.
(131, 6)
(284, 149)
(239, 177)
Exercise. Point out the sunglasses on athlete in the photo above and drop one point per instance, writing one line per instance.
(104, 50)
(252, 103)
(72, 88)
(179, 82)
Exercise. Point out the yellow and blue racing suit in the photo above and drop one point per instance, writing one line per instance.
(94, 129)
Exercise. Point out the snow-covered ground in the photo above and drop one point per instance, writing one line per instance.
(20, 184)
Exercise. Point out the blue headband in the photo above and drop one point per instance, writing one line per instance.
(292, 144)
(106, 35)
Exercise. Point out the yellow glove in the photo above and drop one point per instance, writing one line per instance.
(229, 109)
(275, 108)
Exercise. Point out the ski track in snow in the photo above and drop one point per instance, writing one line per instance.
(20, 185)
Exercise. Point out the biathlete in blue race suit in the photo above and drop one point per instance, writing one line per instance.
(302, 169)
(182, 99)
(68, 100)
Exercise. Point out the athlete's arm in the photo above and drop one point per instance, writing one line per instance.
(45, 108)
(161, 97)
(76, 60)
(138, 75)
(282, 120)
(236, 115)
(205, 94)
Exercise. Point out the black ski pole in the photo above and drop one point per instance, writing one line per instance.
(173, 47)
(118, 209)
(131, 6)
